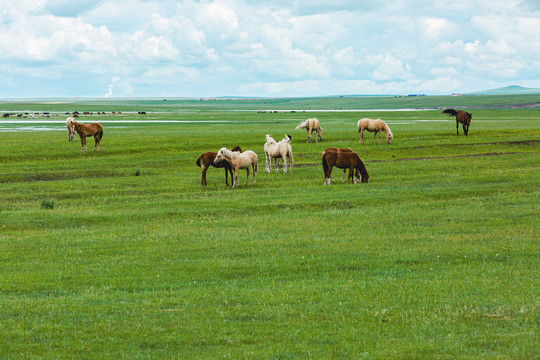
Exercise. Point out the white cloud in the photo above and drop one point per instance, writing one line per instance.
(146, 47)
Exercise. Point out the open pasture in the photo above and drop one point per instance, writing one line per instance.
(123, 254)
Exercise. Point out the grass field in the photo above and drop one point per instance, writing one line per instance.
(122, 253)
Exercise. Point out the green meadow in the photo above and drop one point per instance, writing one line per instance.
(123, 254)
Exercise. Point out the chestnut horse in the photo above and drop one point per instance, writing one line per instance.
(311, 125)
(343, 159)
(208, 159)
(85, 130)
(275, 150)
(376, 126)
(462, 117)
(239, 161)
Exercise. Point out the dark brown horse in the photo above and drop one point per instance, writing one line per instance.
(208, 159)
(462, 117)
(85, 130)
(343, 159)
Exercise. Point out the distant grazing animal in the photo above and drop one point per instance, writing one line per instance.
(462, 117)
(311, 125)
(343, 159)
(239, 161)
(85, 130)
(208, 159)
(376, 126)
(275, 150)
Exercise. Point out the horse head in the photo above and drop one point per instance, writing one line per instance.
(70, 124)
(221, 155)
(269, 138)
(466, 122)
(288, 138)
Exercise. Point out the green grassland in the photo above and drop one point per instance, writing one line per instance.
(123, 254)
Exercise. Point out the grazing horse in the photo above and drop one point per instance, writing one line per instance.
(85, 130)
(275, 150)
(376, 126)
(462, 117)
(343, 159)
(208, 159)
(239, 161)
(311, 125)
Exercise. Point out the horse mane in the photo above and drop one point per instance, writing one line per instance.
(388, 129)
(360, 166)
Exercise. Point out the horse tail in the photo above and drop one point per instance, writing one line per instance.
(303, 125)
(291, 159)
(324, 163)
(100, 134)
(450, 112)
(363, 170)
(199, 160)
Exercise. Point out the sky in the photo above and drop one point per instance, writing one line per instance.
(265, 48)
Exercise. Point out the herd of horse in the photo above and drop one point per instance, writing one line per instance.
(235, 159)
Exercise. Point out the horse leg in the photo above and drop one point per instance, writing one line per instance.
(465, 129)
(457, 127)
(329, 176)
(308, 136)
(254, 175)
(351, 176)
(374, 136)
(203, 178)
(247, 175)
(343, 177)
(276, 164)
(284, 156)
(361, 136)
(268, 166)
(83, 142)
(229, 169)
(319, 134)
(235, 179)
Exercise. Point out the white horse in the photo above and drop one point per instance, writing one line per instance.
(376, 126)
(70, 127)
(311, 125)
(239, 161)
(274, 150)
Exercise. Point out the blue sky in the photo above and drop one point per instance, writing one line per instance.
(189, 48)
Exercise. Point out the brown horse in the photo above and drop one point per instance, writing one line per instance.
(462, 117)
(343, 159)
(84, 131)
(208, 159)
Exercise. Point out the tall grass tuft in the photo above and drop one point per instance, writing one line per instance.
(47, 203)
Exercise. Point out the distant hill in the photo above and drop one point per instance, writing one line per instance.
(508, 90)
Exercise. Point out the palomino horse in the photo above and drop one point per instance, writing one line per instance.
(208, 159)
(462, 117)
(343, 159)
(85, 130)
(239, 161)
(312, 125)
(275, 150)
(376, 126)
